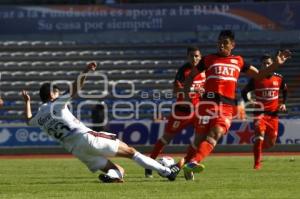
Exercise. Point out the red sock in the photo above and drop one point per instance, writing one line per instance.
(190, 154)
(158, 147)
(205, 148)
(257, 151)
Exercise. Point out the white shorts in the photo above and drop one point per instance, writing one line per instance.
(94, 148)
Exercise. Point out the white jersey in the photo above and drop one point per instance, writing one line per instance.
(57, 121)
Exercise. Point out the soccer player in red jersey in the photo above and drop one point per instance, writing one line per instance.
(266, 92)
(187, 98)
(215, 109)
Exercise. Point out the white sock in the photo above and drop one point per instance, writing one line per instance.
(114, 173)
(149, 163)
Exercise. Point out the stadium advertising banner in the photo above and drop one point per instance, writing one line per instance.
(142, 18)
(147, 133)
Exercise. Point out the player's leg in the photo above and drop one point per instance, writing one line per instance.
(259, 132)
(269, 141)
(172, 127)
(95, 161)
(206, 146)
(113, 173)
(217, 125)
(191, 151)
(271, 132)
(257, 148)
(158, 147)
(148, 163)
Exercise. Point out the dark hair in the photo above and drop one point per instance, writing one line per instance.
(228, 34)
(265, 56)
(45, 91)
(192, 49)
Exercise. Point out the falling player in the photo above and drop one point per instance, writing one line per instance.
(92, 148)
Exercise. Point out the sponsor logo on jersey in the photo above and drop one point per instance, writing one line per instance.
(234, 61)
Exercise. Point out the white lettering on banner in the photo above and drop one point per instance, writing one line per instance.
(23, 135)
(137, 132)
(68, 26)
(4, 135)
(291, 131)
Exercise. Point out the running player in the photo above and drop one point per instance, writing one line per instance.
(266, 97)
(91, 147)
(216, 106)
(187, 99)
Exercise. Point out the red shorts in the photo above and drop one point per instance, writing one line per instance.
(211, 114)
(267, 124)
(176, 124)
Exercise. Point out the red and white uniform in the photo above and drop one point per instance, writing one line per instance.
(267, 96)
(216, 106)
(90, 147)
(174, 124)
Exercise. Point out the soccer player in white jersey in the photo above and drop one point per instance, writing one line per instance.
(92, 148)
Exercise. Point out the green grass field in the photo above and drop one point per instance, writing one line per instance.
(224, 177)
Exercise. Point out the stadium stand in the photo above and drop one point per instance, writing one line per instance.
(27, 64)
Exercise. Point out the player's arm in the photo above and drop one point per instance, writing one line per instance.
(78, 84)
(280, 59)
(194, 72)
(178, 86)
(284, 91)
(1, 102)
(189, 80)
(248, 88)
(27, 108)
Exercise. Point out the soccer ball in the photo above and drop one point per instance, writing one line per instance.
(166, 161)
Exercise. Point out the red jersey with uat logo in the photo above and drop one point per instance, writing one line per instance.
(222, 73)
(267, 91)
(197, 87)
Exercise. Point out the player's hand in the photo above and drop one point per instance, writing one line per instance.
(199, 90)
(25, 95)
(282, 56)
(282, 108)
(91, 66)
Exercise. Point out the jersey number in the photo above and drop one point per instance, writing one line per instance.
(204, 120)
(176, 124)
(58, 126)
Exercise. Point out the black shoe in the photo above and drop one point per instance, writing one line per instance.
(107, 179)
(174, 172)
(148, 173)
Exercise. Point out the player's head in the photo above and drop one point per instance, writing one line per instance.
(226, 42)
(266, 60)
(49, 92)
(193, 55)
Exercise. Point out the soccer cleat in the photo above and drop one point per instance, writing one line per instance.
(257, 166)
(107, 179)
(148, 173)
(174, 172)
(189, 176)
(193, 167)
